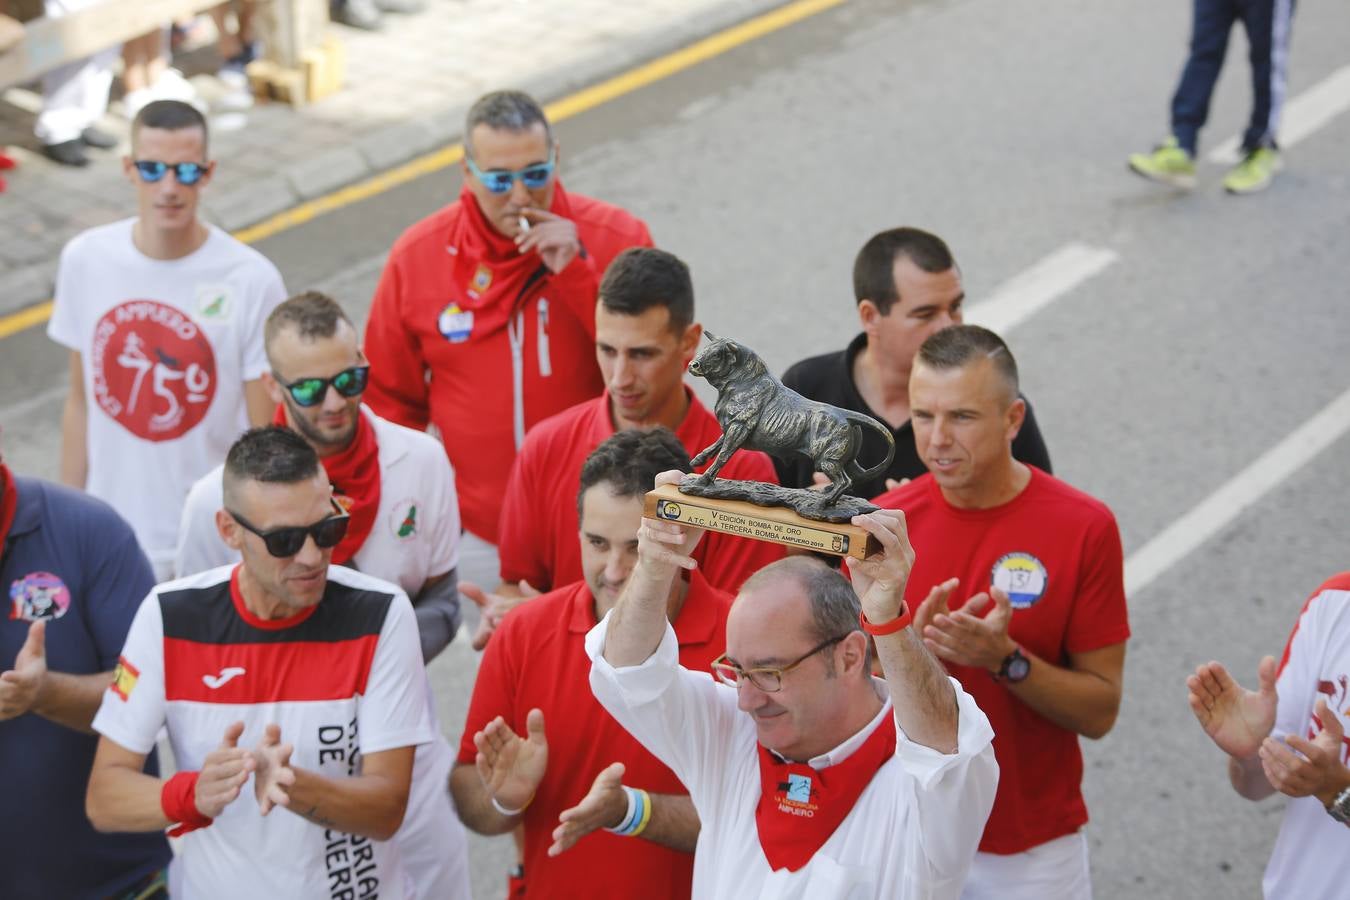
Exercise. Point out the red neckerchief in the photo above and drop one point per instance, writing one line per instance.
(355, 476)
(486, 264)
(9, 502)
(800, 807)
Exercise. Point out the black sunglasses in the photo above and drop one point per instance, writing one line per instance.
(311, 391)
(288, 540)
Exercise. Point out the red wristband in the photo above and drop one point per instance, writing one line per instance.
(179, 801)
(891, 627)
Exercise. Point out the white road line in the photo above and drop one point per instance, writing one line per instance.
(1305, 114)
(1025, 294)
(1241, 491)
(24, 408)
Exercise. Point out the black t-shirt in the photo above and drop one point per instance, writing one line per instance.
(829, 379)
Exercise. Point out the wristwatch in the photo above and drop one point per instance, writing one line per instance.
(1340, 807)
(1015, 667)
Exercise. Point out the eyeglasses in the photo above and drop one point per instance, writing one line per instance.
(768, 679)
(499, 181)
(311, 391)
(187, 173)
(288, 540)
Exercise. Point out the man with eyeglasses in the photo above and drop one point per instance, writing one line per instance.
(284, 677)
(162, 315)
(398, 491)
(484, 319)
(602, 817)
(812, 779)
(1021, 578)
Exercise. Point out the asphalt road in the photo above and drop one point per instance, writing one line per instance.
(1002, 125)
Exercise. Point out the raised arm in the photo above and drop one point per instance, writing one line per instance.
(640, 618)
(924, 700)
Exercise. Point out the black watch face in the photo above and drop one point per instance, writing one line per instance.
(1017, 667)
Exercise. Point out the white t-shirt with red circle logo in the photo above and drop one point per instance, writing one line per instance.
(166, 346)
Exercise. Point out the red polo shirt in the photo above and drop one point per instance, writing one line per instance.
(537, 659)
(539, 528)
(1056, 551)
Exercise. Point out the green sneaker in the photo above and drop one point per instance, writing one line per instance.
(1254, 173)
(1168, 163)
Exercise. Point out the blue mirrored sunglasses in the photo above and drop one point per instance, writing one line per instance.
(187, 173)
(499, 181)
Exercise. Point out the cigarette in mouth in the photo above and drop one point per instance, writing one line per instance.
(524, 224)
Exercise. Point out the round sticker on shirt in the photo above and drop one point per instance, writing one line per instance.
(403, 519)
(455, 324)
(1022, 577)
(38, 595)
(154, 370)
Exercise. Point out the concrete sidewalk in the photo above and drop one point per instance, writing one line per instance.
(406, 91)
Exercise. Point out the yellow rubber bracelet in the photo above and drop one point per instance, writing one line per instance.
(646, 813)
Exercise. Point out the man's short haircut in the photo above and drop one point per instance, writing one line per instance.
(629, 461)
(957, 346)
(311, 314)
(271, 455)
(171, 115)
(640, 278)
(506, 111)
(874, 268)
(835, 609)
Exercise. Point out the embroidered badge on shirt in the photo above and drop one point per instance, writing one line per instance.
(124, 678)
(38, 595)
(455, 324)
(214, 301)
(481, 281)
(403, 519)
(1022, 577)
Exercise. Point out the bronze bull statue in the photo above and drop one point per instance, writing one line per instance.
(757, 412)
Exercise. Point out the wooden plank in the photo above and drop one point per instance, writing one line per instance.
(761, 523)
(53, 42)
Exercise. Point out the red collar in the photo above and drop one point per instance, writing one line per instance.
(265, 624)
(696, 623)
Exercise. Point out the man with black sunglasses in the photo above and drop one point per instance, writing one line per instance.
(286, 672)
(401, 524)
(162, 315)
(484, 319)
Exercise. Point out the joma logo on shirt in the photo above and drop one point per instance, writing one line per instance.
(227, 674)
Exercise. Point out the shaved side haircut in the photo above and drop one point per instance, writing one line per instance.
(311, 314)
(270, 455)
(957, 346)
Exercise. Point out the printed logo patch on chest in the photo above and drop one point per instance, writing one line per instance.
(403, 521)
(1022, 577)
(214, 301)
(154, 371)
(455, 324)
(38, 595)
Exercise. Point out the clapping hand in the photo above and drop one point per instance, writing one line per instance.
(511, 766)
(274, 775)
(492, 608)
(1298, 767)
(966, 637)
(223, 773)
(1236, 719)
(604, 806)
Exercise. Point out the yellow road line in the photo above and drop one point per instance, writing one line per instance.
(572, 105)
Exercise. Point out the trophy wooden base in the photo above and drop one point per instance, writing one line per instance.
(762, 523)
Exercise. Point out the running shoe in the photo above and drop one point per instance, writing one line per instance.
(1168, 164)
(1254, 173)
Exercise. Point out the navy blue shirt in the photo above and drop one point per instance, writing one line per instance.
(73, 561)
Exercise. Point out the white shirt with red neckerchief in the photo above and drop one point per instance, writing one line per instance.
(911, 834)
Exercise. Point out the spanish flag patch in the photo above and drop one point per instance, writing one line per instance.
(124, 678)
